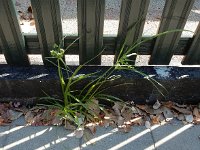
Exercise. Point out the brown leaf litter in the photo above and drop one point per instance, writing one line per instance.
(121, 115)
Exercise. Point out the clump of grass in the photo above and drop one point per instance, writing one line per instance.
(81, 105)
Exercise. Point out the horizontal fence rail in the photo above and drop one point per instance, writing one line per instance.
(90, 13)
(33, 45)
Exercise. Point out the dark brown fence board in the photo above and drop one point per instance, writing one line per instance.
(0, 47)
(12, 42)
(48, 25)
(132, 18)
(193, 55)
(174, 16)
(33, 46)
(90, 29)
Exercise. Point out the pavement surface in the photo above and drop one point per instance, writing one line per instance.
(174, 136)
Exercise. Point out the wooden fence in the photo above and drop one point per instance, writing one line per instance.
(16, 47)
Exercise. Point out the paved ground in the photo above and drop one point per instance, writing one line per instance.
(173, 136)
(112, 12)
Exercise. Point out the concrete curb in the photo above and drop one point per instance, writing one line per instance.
(182, 83)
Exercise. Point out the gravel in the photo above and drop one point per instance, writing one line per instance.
(112, 13)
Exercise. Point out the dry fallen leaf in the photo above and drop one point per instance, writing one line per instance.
(69, 126)
(105, 123)
(196, 115)
(135, 110)
(14, 114)
(182, 110)
(93, 106)
(6, 116)
(138, 121)
(154, 119)
(196, 112)
(181, 106)
(126, 113)
(1, 121)
(149, 110)
(168, 104)
(57, 121)
(125, 128)
(38, 121)
(29, 117)
(22, 109)
(91, 127)
(120, 121)
(142, 107)
(117, 108)
(181, 117)
(110, 116)
(196, 120)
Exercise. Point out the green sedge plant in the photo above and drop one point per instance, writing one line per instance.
(81, 105)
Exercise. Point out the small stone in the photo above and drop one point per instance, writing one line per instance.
(79, 132)
(189, 118)
(181, 117)
(167, 114)
(156, 105)
(147, 124)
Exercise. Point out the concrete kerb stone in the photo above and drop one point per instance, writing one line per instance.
(29, 84)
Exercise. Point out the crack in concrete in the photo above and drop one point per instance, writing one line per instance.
(154, 142)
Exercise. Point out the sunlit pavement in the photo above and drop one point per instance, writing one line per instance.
(175, 136)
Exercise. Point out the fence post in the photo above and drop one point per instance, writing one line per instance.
(174, 16)
(90, 30)
(12, 41)
(48, 25)
(132, 19)
(193, 55)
